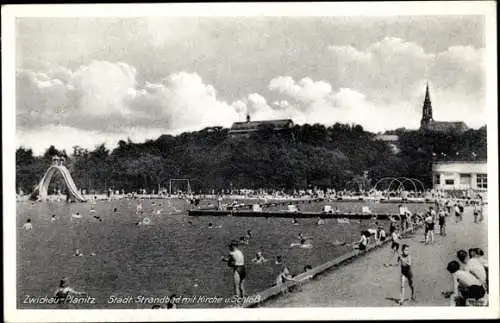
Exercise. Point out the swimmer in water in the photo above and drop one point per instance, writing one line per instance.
(302, 242)
(339, 243)
(320, 221)
(28, 226)
(78, 253)
(115, 210)
(53, 218)
(259, 258)
(212, 226)
(76, 215)
(242, 240)
(278, 260)
(64, 291)
(97, 217)
(303, 238)
(295, 222)
(249, 235)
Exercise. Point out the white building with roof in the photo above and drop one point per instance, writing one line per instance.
(460, 175)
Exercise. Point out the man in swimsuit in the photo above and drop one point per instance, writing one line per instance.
(236, 260)
(406, 273)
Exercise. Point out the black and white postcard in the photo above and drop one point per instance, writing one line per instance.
(218, 161)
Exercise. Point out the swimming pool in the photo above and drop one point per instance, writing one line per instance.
(176, 253)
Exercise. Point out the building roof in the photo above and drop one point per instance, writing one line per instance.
(254, 125)
(447, 126)
(445, 162)
(387, 138)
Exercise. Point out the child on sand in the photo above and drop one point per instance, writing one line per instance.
(394, 246)
(442, 222)
(429, 228)
(406, 273)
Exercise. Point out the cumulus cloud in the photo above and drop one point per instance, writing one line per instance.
(107, 96)
(380, 87)
(316, 102)
(390, 68)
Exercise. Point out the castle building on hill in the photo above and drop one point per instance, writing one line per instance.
(245, 129)
(428, 124)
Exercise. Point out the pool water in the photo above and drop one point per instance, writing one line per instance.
(176, 253)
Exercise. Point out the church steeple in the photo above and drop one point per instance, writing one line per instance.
(426, 110)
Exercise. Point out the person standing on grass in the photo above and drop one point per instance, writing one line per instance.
(236, 260)
(406, 273)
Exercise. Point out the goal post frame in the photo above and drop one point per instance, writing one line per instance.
(179, 180)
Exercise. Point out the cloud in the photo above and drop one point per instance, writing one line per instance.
(380, 87)
(306, 90)
(390, 68)
(105, 96)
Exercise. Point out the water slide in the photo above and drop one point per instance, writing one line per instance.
(43, 186)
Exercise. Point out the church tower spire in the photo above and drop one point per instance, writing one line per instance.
(426, 110)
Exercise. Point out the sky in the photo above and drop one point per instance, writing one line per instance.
(87, 81)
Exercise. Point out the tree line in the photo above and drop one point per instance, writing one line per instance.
(340, 156)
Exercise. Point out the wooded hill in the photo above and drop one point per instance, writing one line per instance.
(303, 157)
